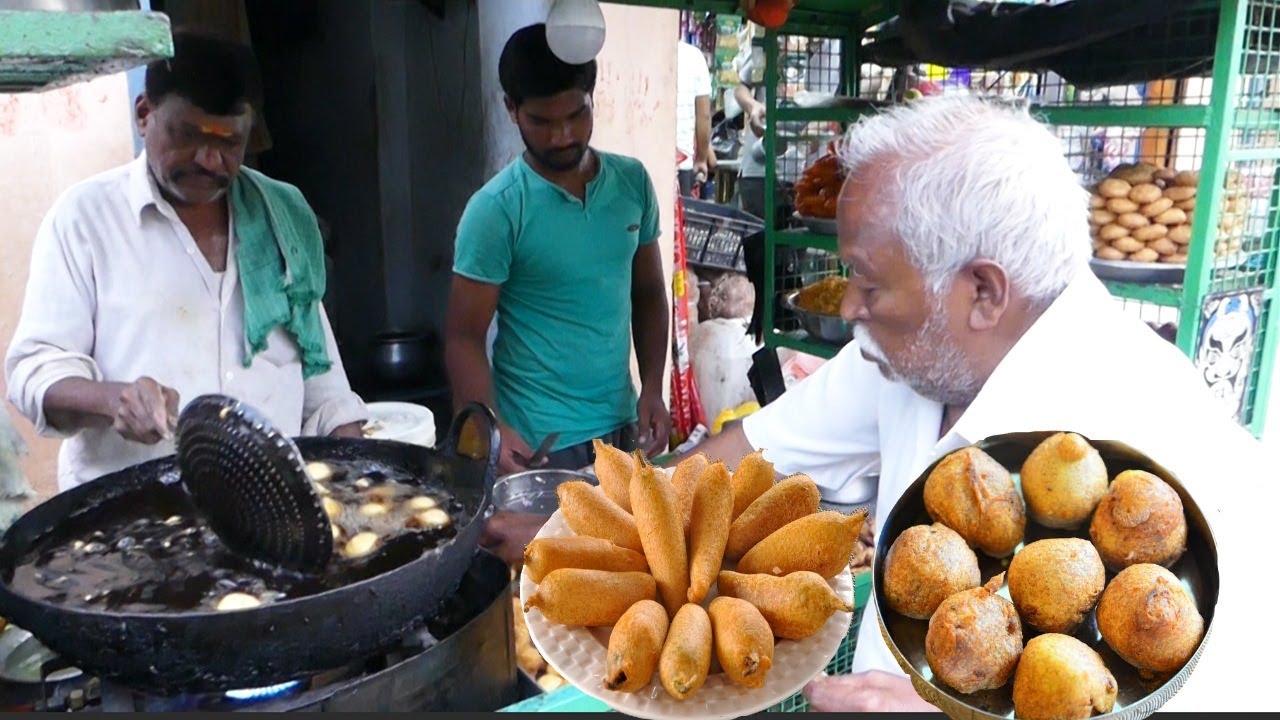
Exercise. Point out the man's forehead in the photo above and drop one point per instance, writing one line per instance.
(185, 111)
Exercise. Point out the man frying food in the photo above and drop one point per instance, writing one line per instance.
(965, 235)
(176, 275)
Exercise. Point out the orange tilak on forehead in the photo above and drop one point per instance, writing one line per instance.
(217, 130)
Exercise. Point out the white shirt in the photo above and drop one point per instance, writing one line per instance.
(1084, 366)
(693, 80)
(119, 290)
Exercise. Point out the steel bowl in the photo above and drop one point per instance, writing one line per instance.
(1136, 699)
(533, 492)
(826, 328)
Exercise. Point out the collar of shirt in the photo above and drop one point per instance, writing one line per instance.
(1030, 361)
(143, 192)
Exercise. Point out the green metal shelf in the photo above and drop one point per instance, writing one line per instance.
(799, 340)
(1143, 116)
(806, 239)
(1163, 295)
(41, 50)
(823, 114)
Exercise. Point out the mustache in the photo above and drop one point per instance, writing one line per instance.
(219, 179)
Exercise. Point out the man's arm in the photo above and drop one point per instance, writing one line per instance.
(650, 313)
(729, 447)
(753, 111)
(704, 158)
(329, 407)
(52, 377)
(471, 307)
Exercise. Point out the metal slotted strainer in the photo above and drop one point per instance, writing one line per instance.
(250, 482)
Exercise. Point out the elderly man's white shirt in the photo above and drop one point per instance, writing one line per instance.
(119, 290)
(1084, 366)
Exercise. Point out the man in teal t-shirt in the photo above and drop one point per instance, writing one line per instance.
(561, 244)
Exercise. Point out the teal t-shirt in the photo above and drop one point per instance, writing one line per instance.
(561, 359)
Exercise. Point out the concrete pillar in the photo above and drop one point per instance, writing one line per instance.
(499, 19)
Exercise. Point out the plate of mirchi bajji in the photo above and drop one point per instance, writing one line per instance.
(1046, 576)
(702, 592)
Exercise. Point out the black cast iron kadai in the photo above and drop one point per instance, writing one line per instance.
(250, 483)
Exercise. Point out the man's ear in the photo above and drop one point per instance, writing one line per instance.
(142, 109)
(511, 107)
(990, 289)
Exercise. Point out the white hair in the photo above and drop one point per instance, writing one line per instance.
(972, 177)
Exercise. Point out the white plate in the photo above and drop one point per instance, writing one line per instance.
(578, 654)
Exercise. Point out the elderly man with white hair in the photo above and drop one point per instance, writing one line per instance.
(975, 314)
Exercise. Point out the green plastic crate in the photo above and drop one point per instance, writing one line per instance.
(842, 663)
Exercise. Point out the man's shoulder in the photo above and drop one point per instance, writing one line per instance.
(630, 170)
(502, 191)
(92, 194)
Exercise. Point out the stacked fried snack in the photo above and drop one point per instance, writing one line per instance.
(1137, 528)
(1143, 213)
(819, 186)
(648, 550)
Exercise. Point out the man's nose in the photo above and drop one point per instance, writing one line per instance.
(852, 308)
(211, 160)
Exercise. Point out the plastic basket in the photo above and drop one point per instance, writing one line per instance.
(714, 233)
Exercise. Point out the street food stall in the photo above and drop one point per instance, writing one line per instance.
(697, 591)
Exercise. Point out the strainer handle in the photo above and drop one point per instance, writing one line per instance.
(488, 423)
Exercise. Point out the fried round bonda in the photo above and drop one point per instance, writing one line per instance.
(974, 495)
(1055, 582)
(1140, 520)
(925, 565)
(974, 639)
(1149, 619)
(1061, 678)
(1063, 480)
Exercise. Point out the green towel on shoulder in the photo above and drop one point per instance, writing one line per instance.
(281, 259)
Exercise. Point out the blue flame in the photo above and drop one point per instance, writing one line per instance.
(263, 693)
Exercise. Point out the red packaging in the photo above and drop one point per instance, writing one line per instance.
(686, 407)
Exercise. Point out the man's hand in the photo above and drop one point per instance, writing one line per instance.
(654, 422)
(353, 430)
(145, 411)
(702, 169)
(506, 534)
(514, 451)
(873, 691)
(756, 119)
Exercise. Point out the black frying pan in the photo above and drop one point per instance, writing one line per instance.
(204, 651)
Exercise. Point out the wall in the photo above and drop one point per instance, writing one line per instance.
(49, 141)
